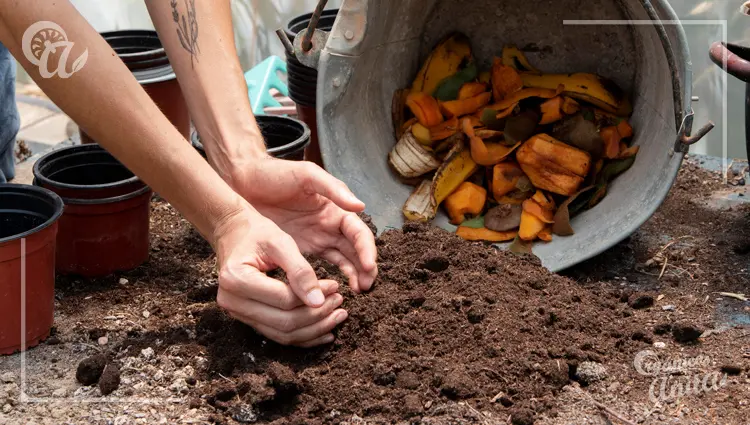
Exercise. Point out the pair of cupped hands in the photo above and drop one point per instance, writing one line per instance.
(293, 208)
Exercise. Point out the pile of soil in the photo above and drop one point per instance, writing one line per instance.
(446, 319)
(452, 333)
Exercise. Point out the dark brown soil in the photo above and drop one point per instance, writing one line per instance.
(447, 321)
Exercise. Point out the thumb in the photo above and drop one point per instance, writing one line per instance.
(334, 189)
(284, 252)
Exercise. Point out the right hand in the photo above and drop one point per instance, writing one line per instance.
(302, 313)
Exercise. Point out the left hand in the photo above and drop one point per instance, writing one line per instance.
(316, 209)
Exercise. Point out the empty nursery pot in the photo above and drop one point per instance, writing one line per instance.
(143, 54)
(28, 227)
(303, 80)
(105, 226)
(285, 138)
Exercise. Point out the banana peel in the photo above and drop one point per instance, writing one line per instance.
(590, 88)
(446, 59)
(514, 58)
(420, 205)
(410, 159)
(457, 167)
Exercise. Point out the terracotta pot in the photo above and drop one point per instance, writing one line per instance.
(144, 55)
(105, 227)
(286, 138)
(308, 115)
(29, 218)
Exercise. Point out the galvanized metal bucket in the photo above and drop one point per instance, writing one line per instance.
(376, 47)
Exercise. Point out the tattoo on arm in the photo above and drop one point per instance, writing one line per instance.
(187, 28)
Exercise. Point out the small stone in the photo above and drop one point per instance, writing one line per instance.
(123, 281)
(669, 308)
(90, 369)
(103, 340)
(8, 378)
(659, 344)
(178, 386)
(686, 332)
(641, 301)
(590, 372)
(146, 314)
(190, 380)
(7, 408)
(159, 375)
(244, 414)
(60, 393)
(147, 353)
(110, 379)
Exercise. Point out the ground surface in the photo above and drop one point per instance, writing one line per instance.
(453, 333)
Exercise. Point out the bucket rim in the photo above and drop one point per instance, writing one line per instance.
(40, 193)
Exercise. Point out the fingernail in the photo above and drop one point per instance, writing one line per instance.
(338, 299)
(340, 317)
(347, 194)
(328, 339)
(316, 297)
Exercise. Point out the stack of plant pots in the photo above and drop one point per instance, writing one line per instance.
(105, 227)
(28, 228)
(285, 138)
(303, 81)
(143, 54)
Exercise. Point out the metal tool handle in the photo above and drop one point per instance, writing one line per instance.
(307, 39)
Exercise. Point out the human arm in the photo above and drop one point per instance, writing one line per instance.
(305, 201)
(104, 98)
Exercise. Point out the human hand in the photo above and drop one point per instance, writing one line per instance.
(316, 209)
(302, 313)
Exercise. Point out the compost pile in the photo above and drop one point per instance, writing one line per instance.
(511, 153)
(447, 321)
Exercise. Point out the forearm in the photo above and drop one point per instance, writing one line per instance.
(198, 38)
(108, 103)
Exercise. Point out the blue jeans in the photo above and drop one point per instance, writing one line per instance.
(9, 118)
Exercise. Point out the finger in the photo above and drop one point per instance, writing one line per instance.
(306, 334)
(284, 252)
(249, 311)
(249, 283)
(347, 267)
(325, 339)
(362, 247)
(332, 188)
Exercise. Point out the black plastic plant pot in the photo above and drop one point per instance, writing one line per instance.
(28, 229)
(286, 138)
(303, 80)
(105, 227)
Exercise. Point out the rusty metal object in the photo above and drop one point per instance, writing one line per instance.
(307, 43)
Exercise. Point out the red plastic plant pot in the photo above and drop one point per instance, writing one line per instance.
(28, 227)
(143, 54)
(105, 226)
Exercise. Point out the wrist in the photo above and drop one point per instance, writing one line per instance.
(233, 150)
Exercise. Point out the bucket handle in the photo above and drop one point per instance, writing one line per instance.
(684, 115)
(723, 54)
